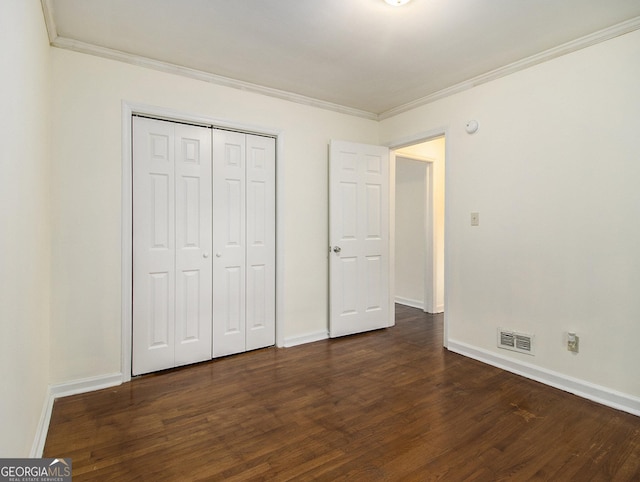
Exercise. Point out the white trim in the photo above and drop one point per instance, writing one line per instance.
(107, 53)
(429, 241)
(412, 139)
(43, 427)
(581, 388)
(550, 54)
(126, 243)
(522, 64)
(409, 302)
(65, 389)
(128, 109)
(280, 246)
(308, 338)
(392, 237)
(84, 385)
(49, 20)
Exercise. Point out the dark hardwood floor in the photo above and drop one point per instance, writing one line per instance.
(385, 405)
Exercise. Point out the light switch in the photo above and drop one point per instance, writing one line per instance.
(475, 219)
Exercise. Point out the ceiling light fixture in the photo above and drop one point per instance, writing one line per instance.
(396, 3)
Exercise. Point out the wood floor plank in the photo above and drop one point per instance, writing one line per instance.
(386, 405)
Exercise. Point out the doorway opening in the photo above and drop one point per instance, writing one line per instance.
(419, 225)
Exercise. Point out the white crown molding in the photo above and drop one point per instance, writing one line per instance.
(581, 388)
(47, 11)
(86, 48)
(550, 54)
(566, 48)
(65, 43)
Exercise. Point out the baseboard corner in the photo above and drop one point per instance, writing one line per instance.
(83, 385)
(308, 338)
(42, 428)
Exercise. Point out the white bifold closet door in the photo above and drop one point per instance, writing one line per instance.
(172, 245)
(244, 242)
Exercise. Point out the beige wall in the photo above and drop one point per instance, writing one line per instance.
(24, 223)
(553, 171)
(86, 197)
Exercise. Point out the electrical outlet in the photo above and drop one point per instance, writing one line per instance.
(475, 219)
(573, 342)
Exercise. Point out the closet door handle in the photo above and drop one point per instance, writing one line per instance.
(218, 255)
(205, 255)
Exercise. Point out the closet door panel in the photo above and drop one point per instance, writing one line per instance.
(260, 181)
(229, 262)
(153, 246)
(193, 244)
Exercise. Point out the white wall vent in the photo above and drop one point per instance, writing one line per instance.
(514, 341)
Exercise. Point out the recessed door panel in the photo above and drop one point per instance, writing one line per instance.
(374, 275)
(189, 235)
(189, 300)
(160, 227)
(348, 227)
(347, 279)
(256, 297)
(257, 204)
(234, 213)
(234, 290)
(160, 308)
(373, 211)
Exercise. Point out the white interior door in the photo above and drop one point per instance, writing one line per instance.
(244, 233)
(359, 238)
(171, 245)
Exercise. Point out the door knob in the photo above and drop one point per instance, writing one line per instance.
(337, 249)
(218, 255)
(205, 255)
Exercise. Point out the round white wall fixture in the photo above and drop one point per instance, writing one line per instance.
(396, 3)
(471, 127)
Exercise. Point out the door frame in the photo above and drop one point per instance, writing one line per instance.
(399, 143)
(128, 110)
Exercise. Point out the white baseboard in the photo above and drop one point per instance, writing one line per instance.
(591, 391)
(409, 302)
(65, 389)
(440, 308)
(84, 385)
(308, 338)
(43, 427)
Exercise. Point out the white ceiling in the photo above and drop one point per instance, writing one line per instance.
(361, 54)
